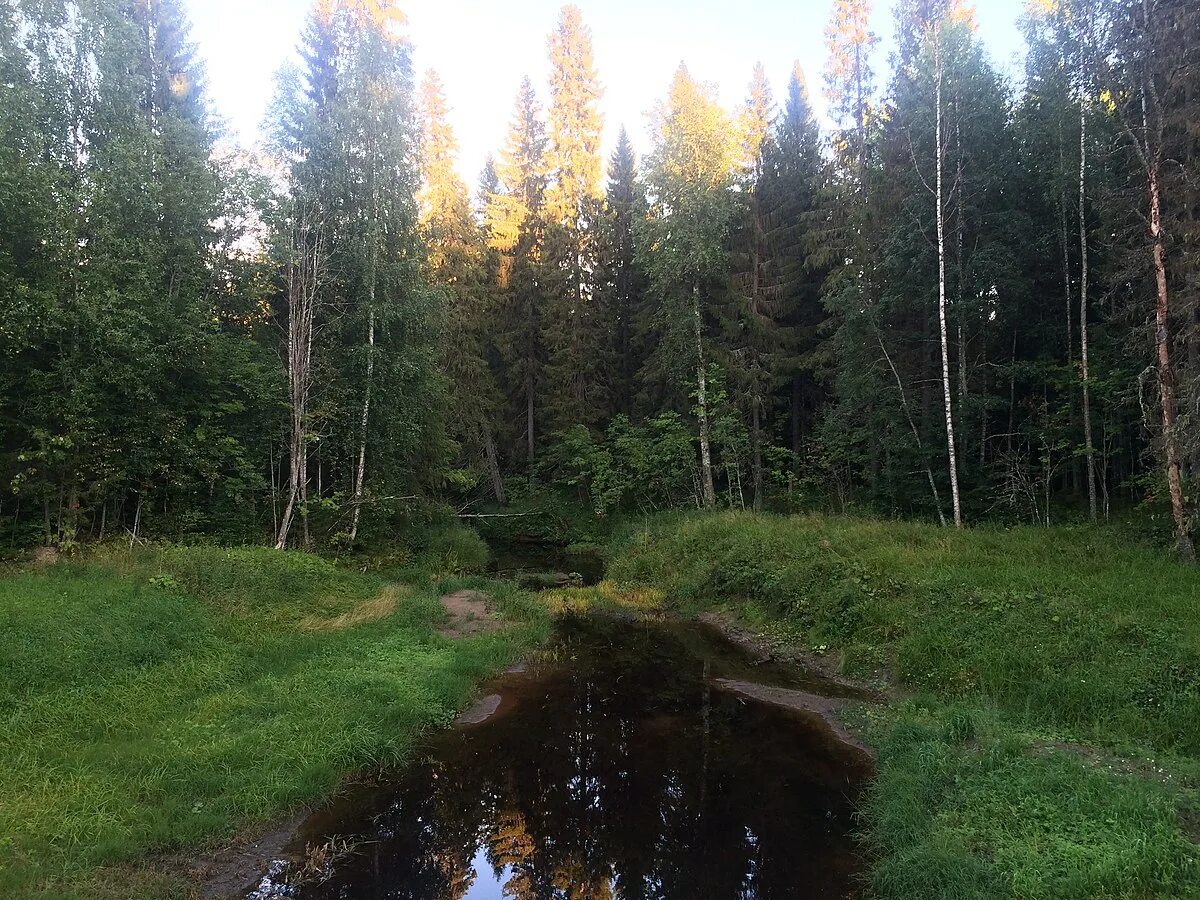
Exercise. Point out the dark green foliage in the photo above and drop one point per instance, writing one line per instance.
(127, 396)
(634, 468)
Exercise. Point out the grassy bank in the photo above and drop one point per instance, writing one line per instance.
(1048, 745)
(168, 697)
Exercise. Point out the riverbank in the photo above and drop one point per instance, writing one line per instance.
(174, 697)
(1046, 739)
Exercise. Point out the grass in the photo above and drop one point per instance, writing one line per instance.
(1049, 742)
(170, 697)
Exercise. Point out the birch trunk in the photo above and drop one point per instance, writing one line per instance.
(304, 277)
(360, 475)
(1089, 448)
(709, 493)
(941, 242)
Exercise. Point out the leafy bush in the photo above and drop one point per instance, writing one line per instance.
(634, 467)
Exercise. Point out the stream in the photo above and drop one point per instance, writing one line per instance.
(619, 763)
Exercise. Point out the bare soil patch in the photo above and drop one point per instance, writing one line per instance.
(468, 613)
(762, 650)
(822, 711)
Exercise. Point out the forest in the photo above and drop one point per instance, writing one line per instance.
(798, 505)
(968, 301)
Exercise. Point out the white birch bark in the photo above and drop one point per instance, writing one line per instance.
(941, 242)
(709, 493)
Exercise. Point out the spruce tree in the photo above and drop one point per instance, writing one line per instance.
(515, 220)
(575, 323)
(756, 339)
(792, 179)
(620, 281)
(457, 266)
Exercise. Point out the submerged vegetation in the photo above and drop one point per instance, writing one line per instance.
(1045, 741)
(170, 697)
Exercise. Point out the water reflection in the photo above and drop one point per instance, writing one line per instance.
(619, 773)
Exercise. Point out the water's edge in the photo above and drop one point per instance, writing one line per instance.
(619, 736)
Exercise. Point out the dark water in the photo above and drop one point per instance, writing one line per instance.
(615, 770)
(517, 559)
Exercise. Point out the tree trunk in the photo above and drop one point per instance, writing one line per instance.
(1166, 372)
(941, 242)
(709, 493)
(492, 460)
(529, 442)
(361, 473)
(1089, 448)
(756, 451)
(304, 276)
(937, 500)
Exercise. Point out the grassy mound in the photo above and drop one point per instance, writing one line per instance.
(162, 698)
(1050, 745)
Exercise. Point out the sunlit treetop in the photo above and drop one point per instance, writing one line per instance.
(756, 119)
(848, 74)
(696, 141)
(443, 196)
(575, 125)
(383, 15)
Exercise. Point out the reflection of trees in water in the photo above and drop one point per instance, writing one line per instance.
(624, 779)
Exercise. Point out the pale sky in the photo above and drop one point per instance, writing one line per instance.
(482, 48)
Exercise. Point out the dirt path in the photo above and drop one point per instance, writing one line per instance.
(468, 613)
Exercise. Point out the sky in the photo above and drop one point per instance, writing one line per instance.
(482, 48)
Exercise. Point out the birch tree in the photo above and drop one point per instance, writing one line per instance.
(690, 176)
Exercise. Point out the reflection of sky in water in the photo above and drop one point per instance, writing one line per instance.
(488, 885)
(617, 772)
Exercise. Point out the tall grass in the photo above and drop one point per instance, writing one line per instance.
(163, 698)
(1051, 743)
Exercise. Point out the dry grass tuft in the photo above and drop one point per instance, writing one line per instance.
(378, 607)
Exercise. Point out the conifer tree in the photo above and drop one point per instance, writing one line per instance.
(516, 230)
(456, 259)
(789, 190)
(620, 281)
(356, 175)
(758, 339)
(1150, 78)
(574, 322)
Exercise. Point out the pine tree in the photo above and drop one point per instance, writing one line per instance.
(1150, 79)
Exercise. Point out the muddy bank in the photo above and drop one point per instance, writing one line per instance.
(764, 650)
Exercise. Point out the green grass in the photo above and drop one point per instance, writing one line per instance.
(170, 697)
(1050, 743)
